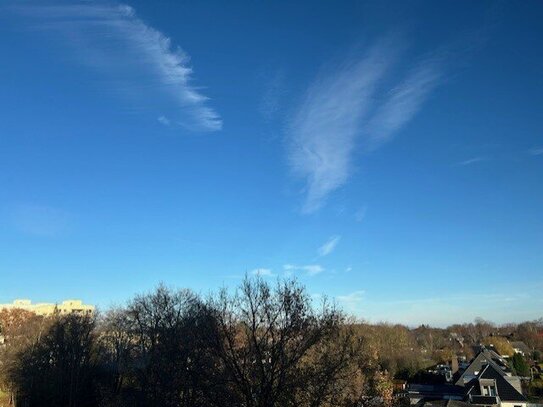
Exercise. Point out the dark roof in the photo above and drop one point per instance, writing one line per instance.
(457, 403)
(439, 390)
(484, 357)
(446, 403)
(486, 400)
(435, 403)
(505, 390)
(521, 346)
(488, 348)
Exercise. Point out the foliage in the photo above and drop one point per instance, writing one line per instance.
(520, 365)
(444, 355)
(500, 344)
(535, 389)
(276, 349)
(260, 346)
(531, 333)
(58, 369)
(19, 329)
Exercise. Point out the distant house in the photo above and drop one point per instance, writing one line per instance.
(484, 357)
(488, 357)
(490, 388)
(458, 338)
(419, 394)
(442, 370)
(486, 381)
(521, 347)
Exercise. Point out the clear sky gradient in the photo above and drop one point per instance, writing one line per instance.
(386, 154)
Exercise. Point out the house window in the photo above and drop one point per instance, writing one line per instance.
(489, 391)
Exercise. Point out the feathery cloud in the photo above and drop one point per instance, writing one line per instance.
(404, 101)
(137, 61)
(340, 111)
(351, 302)
(471, 161)
(164, 120)
(309, 269)
(329, 246)
(536, 151)
(323, 133)
(263, 272)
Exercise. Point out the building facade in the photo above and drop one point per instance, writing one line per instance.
(47, 309)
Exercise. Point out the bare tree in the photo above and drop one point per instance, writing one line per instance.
(116, 343)
(19, 330)
(276, 349)
(169, 363)
(58, 369)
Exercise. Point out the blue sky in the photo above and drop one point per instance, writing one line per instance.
(387, 154)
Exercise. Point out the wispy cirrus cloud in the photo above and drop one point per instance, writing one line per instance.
(536, 151)
(164, 120)
(329, 246)
(324, 131)
(308, 269)
(352, 301)
(404, 101)
(350, 106)
(134, 59)
(262, 272)
(471, 161)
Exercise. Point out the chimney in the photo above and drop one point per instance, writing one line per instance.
(454, 364)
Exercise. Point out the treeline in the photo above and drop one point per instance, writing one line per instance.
(259, 346)
(262, 345)
(404, 352)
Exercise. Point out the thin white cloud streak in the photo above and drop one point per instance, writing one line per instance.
(341, 108)
(309, 269)
(329, 246)
(138, 61)
(164, 120)
(536, 151)
(471, 161)
(404, 102)
(351, 302)
(262, 272)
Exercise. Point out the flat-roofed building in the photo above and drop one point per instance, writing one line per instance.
(44, 308)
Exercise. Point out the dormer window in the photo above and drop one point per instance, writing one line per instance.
(489, 390)
(488, 387)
